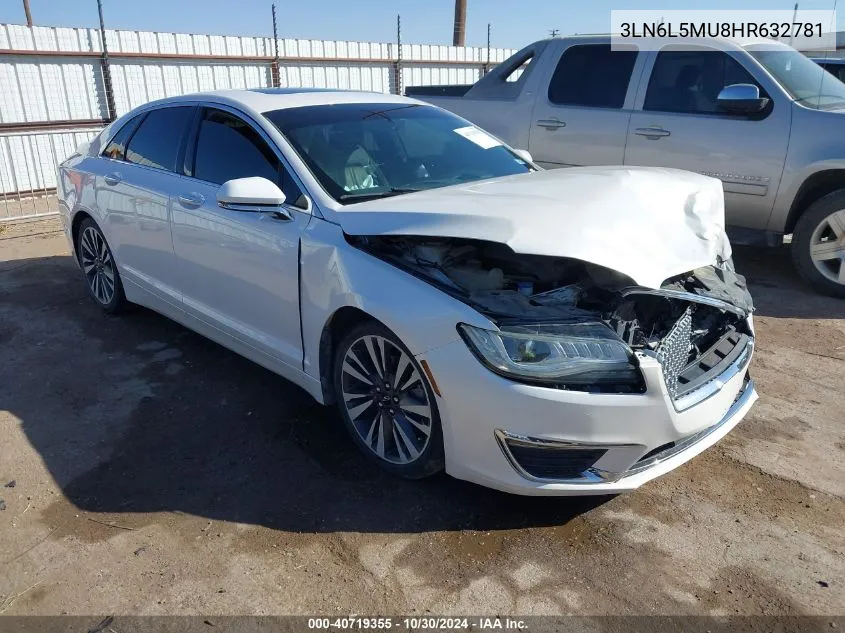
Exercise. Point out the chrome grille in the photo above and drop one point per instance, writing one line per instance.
(673, 351)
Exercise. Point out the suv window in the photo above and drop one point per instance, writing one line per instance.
(592, 75)
(690, 81)
(228, 147)
(837, 70)
(517, 70)
(157, 141)
(116, 148)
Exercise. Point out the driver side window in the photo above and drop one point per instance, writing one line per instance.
(689, 81)
(227, 147)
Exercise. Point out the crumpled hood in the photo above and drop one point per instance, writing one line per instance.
(647, 223)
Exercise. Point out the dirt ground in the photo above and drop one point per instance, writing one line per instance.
(157, 473)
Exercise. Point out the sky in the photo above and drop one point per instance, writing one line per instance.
(515, 23)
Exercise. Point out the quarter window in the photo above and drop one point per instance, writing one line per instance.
(690, 81)
(517, 70)
(592, 75)
(228, 148)
(116, 149)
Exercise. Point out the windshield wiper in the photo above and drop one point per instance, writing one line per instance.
(362, 195)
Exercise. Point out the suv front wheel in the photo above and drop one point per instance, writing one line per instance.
(818, 244)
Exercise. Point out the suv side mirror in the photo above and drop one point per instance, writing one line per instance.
(741, 99)
(252, 194)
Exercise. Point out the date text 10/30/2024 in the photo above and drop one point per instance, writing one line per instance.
(426, 623)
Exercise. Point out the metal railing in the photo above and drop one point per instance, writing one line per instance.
(54, 96)
(28, 167)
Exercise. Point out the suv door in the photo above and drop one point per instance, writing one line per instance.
(677, 123)
(133, 193)
(239, 270)
(582, 118)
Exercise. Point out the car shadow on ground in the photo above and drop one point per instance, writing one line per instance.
(778, 290)
(136, 414)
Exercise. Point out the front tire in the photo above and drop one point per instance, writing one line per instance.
(386, 402)
(818, 244)
(99, 269)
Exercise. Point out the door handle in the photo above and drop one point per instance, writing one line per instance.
(551, 124)
(652, 133)
(113, 178)
(191, 200)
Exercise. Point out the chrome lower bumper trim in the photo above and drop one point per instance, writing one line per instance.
(742, 400)
(594, 475)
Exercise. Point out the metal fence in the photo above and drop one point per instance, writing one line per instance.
(54, 96)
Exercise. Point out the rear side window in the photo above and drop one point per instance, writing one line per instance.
(690, 81)
(116, 148)
(157, 141)
(592, 75)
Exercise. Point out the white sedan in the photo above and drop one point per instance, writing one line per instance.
(578, 331)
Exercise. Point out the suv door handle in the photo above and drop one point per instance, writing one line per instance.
(551, 124)
(191, 200)
(113, 178)
(652, 133)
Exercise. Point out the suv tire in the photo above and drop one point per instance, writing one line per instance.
(818, 244)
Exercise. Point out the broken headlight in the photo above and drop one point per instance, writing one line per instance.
(583, 356)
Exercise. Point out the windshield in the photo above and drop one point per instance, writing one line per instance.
(364, 151)
(807, 82)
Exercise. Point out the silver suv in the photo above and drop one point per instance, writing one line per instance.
(764, 119)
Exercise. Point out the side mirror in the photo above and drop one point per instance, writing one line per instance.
(252, 194)
(524, 154)
(741, 99)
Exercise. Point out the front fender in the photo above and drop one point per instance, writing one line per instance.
(783, 212)
(335, 274)
(815, 145)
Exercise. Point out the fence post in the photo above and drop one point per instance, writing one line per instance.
(486, 68)
(28, 13)
(274, 66)
(397, 65)
(111, 114)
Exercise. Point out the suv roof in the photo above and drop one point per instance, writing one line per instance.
(604, 38)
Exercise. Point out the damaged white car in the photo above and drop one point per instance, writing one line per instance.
(541, 332)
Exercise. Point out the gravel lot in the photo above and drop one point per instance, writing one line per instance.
(157, 473)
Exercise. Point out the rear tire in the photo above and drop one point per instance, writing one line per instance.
(99, 268)
(818, 244)
(386, 402)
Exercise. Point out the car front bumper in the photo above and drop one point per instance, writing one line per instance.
(486, 419)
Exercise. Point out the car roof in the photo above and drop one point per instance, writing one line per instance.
(268, 99)
(828, 60)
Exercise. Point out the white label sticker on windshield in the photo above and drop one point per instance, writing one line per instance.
(477, 136)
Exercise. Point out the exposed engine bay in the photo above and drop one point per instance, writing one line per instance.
(508, 288)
